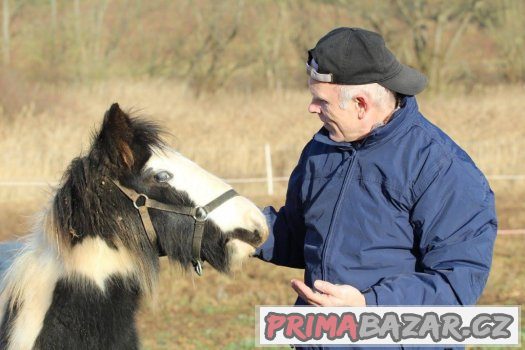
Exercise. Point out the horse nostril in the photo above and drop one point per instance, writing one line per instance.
(260, 235)
(253, 237)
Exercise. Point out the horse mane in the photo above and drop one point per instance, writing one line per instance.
(87, 210)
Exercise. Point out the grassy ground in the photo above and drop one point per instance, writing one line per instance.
(216, 311)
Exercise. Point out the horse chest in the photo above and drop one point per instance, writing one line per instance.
(83, 317)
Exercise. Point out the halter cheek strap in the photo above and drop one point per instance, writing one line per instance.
(200, 214)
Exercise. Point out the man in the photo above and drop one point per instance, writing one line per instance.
(383, 208)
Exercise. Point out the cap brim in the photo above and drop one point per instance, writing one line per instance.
(407, 82)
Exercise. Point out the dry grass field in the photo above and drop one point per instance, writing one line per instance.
(225, 133)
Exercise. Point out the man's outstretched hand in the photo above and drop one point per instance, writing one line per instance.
(329, 294)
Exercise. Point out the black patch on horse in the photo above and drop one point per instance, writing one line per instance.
(82, 317)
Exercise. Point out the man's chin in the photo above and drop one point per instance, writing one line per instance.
(335, 137)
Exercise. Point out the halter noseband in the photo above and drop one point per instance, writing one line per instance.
(200, 214)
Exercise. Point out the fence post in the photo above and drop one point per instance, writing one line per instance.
(269, 173)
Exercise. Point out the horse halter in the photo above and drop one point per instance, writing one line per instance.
(200, 214)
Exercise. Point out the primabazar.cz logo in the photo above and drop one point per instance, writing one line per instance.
(443, 325)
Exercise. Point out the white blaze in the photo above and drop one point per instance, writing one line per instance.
(203, 187)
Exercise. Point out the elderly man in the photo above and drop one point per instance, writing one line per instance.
(383, 207)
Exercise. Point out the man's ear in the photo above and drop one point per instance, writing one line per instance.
(361, 105)
(113, 143)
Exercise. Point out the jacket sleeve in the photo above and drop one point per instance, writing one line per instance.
(455, 226)
(285, 243)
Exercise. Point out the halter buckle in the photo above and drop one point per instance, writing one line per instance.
(142, 198)
(200, 214)
(197, 265)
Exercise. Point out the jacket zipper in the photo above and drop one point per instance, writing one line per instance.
(348, 174)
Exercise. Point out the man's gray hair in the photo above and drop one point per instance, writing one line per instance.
(382, 97)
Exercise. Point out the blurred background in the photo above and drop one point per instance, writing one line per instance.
(227, 80)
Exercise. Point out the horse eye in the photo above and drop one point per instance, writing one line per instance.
(163, 176)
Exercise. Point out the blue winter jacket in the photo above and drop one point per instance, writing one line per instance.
(405, 216)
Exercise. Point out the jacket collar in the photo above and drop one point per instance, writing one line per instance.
(323, 137)
(383, 133)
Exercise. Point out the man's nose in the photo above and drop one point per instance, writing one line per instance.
(314, 108)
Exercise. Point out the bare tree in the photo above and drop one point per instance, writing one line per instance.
(99, 28)
(271, 42)
(208, 67)
(505, 21)
(53, 4)
(6, 50)
(8, 14)
(54, 32)
(79, 41)
(437, 28)
(423, 33)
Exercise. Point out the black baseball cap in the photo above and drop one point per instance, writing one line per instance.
(354, 56)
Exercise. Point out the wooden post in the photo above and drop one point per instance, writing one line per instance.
(269, 172)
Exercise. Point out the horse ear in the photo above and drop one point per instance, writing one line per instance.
(115, 139)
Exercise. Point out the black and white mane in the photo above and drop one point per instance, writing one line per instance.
(76, 281)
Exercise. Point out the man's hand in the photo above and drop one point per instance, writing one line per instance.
(329, 294)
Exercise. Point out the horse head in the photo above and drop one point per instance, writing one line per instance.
(128, 163)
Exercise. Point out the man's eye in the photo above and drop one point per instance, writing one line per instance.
(163, 176)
